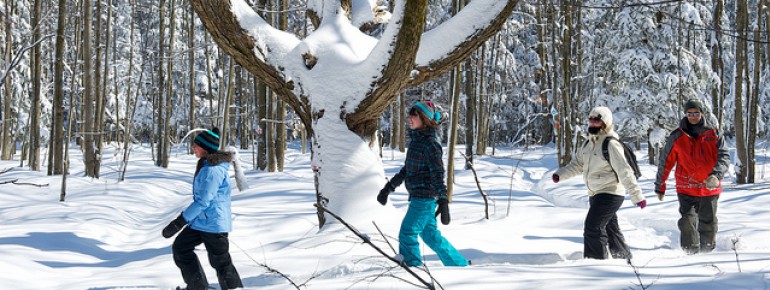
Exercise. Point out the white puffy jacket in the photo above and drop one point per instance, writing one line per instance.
(598, 174)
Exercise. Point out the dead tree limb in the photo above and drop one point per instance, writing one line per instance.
(368, 241)
(272, 270)
(8, 181)
(469, 164)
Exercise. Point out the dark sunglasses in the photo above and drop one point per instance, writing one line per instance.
(594, 119)
(692, 114)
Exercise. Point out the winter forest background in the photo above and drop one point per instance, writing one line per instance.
(150, 73)
(330, 81)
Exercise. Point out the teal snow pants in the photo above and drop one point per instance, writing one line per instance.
(420, 220)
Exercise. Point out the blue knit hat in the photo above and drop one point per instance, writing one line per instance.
(208, 140)
(428, 109)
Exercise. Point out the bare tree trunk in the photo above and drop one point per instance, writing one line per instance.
(270, 132)
(262, 125)
(160, 98)
(90, 154)
(191, 73)
(717, 65)
(243, 108)
(741, 62)
(55, 164)
(481, 96)
(395, 118)
(105, 92)
(280, 136)
(34, 128)
(566, 85)
(753, 102)
(450, 171)
(8, 144)
(402, 125)
(470, 112)
(207, 55)
(168, 133)
(129, 113)
(224, 135)
(98, 127)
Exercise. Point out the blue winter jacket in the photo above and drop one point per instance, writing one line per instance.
(423, 169)
(210, 211)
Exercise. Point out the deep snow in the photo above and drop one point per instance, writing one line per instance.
(106, 235)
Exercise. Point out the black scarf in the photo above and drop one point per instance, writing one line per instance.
(696, 129)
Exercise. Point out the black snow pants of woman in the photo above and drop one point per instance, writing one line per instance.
(601, 229)
(218, 246)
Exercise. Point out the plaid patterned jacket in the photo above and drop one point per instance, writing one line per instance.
(423, 169)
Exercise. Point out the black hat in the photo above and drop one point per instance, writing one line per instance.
(693, 104)
(208, 140)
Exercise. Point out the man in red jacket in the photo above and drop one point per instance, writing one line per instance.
(701, 158)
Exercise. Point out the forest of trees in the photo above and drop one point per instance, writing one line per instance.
(120, 72)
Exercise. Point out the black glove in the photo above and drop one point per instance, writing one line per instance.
(555, 178)
(443, 210)
(174, 227)
(384, 192)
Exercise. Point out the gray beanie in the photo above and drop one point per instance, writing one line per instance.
(694, 104)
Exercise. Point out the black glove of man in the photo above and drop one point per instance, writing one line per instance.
(384, 192)
(174, 227)
(443, 210)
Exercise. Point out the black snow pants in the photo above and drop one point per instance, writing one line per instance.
(217, 245)
(601, 229)
(698, 224)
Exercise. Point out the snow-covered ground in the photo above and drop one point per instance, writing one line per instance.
(106, 235)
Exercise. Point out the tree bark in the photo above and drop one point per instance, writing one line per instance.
(34, 128)
(470, 112)
(741, 62)
(160, 96)
(90, 154)
(57, 122)
(450, 171)
(8, 143)
(191, 116)
(717, 65)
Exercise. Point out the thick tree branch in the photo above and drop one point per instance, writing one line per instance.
(395, 75)
(398, 73)
(225, 28)
(461, 50)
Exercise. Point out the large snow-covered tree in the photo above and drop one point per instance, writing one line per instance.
(339, 79)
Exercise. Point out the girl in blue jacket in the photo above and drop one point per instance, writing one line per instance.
(208, 218)
(423, 172)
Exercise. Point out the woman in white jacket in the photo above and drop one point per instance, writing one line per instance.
(607, 183)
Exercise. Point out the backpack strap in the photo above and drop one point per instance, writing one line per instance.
(605, 147)
(606, 153)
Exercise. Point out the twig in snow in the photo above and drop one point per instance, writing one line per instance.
(16, 181)
(368, 241)
(6, 170)
(469, 164)
(636, 272)
(272, 270)
(26, 183)
(384, 238)
(736, 239)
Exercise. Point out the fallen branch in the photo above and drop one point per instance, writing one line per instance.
(368, 241)
(8, 181)
(26, 183)
(272, 270)
(6, 170)
(469, 164)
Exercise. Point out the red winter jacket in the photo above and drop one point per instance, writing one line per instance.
(696, 158)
